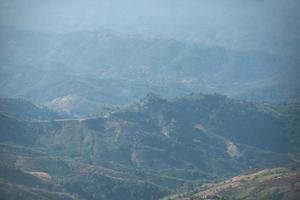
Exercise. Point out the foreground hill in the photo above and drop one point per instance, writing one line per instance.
(274, 183)
(150, 149)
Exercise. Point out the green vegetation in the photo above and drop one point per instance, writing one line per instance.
(21, 109)
(151, 149)
(272, 184)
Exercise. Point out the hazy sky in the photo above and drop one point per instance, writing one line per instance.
(244, 24)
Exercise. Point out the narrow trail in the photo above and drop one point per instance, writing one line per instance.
(63, 120)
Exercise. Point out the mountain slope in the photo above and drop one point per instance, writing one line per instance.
(274, 183)
(150, 149)
(23, 109)
(92, 69)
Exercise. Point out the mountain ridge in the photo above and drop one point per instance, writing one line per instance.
(155, 144)
(115, 69)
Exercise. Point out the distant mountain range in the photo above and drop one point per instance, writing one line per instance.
(78, 72)
(150, 149)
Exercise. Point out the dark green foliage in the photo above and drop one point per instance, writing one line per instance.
(290, 115)
(147, 150)
(22, 109)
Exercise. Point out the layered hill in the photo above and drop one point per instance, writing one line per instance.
(87, 69)
(25, 110)
(148, 150)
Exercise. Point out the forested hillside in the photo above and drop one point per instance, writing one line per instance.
(150, 149)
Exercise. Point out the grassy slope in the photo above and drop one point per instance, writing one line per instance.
(273, 183)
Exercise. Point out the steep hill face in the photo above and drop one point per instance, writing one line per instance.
(239, 121)
(89, 69)
(150, 149)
